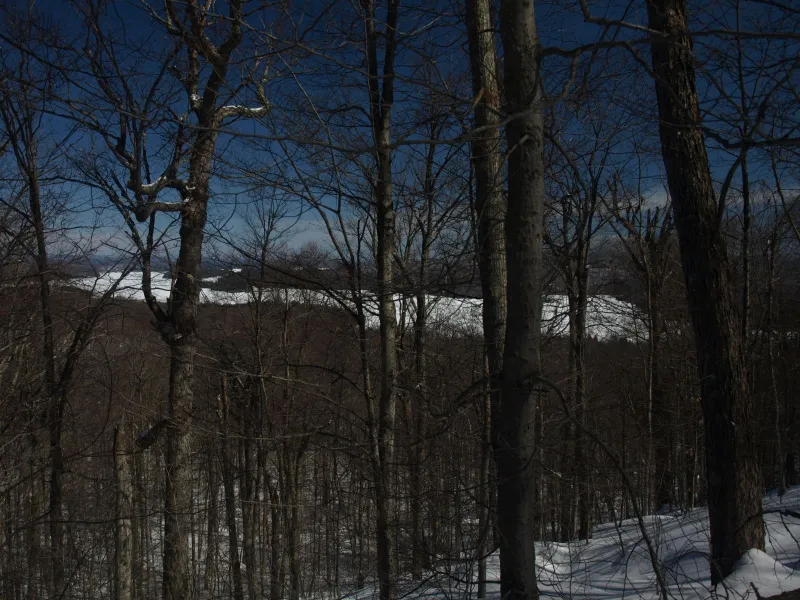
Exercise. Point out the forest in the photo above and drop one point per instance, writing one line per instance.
(399, 299)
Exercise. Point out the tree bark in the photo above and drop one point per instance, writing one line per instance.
(210, 572)
(490, 240)
(514, 418)
(123, 580)
(276, 568)
(419, 400)
(489, 206)
(381, 98)
(177, 491)
(664, 489)
(780, 470)
(484, 494)
(228, 454)
(733, 474)
(249, 492)
(292, 466)
(33, 566)
(582, 470)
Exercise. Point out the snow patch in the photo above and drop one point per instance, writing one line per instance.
(758, 569)
(607, 317)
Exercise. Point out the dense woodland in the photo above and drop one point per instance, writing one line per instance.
(499, 276)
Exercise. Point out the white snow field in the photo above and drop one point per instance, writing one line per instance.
(615, 563)
(607, 318)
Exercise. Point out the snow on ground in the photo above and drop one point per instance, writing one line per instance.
(757, 570)
(607, 316)
(615, 563)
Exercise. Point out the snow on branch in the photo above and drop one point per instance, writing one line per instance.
(152, 189)
(234, 110)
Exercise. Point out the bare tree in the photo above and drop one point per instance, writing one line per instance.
(647, 236)
(206, 83)
(490, 236)
(23, 106)
(380, 84)
(513, 421)
(123, 579)
(734, 490)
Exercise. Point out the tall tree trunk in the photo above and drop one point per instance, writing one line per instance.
(249, 492)
(141, 570)
(210, 573)
(177, 492)
(582, 470)
(490, 239)
(489, 206)
(276, 568)
(228, 453)
(123, 579)
(514, 418)
(416, 446)
(746, 224)
(733, 474)
(420, 400)
(662, 417)
(27, 159)
(33, 542)
(381, 98)
(484, 494)
(181, 334)
(565, 497)
(292, 519)
(780, 470)
(56, 516)
(136, 541)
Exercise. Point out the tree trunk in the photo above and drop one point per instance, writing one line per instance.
(565, 513)
(582, 470)
(663, 471)
(780, 471)
(177, 490)
(123, 579)
(420, 384)
(514, 418)
(484, 495)
(293, 467)
(249, 492)
(746, 223)
(56, 516)
(276, 568)
(381, 99)
(734, 482)
(230, 497)
(33, 542)
(210, 573)
(490, 240)
(27, 160)
(489, 207)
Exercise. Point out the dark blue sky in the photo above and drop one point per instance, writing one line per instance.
(317, 87)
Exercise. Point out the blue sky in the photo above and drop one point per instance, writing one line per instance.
(318, 90)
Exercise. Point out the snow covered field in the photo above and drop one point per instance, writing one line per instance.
(607, 316)
(615, 563)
